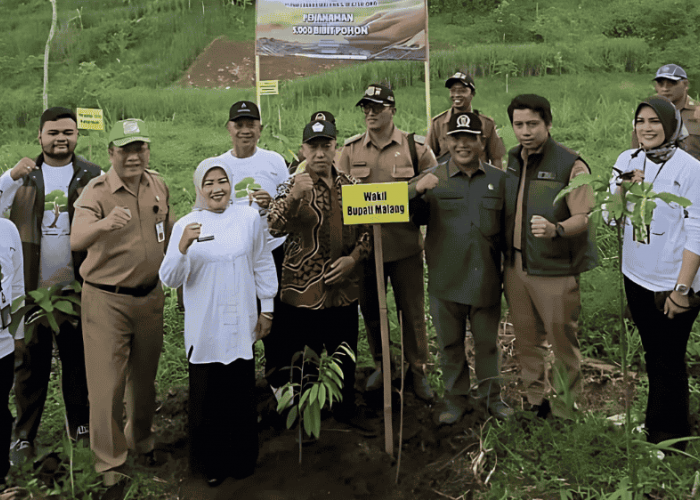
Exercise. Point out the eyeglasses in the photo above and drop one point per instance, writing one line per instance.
(374, 108)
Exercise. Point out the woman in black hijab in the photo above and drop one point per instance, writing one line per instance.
(660, 267)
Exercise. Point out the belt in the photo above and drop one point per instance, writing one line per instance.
(138, 291)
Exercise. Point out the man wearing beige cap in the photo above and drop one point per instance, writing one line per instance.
(671, 82)
(123, 221)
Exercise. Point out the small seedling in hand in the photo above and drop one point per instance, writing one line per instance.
(246, 187)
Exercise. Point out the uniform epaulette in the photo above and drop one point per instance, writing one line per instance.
(100, 179)
(420, 139)
(438, 116)
(483, 115)
(352, 139)
(153, 172)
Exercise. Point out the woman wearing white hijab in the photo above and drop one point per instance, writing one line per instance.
(218, 253)
(661, 271)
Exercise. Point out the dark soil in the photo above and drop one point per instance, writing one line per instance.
(225, 63)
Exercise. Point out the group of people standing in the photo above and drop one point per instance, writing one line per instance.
(280, 266)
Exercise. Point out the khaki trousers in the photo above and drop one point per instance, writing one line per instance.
(544, 308)
(123, 338)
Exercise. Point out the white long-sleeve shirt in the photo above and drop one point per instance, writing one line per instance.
(655, 265)
(12, 273)
(221, 279)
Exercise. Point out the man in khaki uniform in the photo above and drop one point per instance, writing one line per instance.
(123, 221)
(462, 91)
(548, 246)
(386, 154)
(671, 82)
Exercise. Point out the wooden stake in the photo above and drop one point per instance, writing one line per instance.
(427, 69)
(384, 323)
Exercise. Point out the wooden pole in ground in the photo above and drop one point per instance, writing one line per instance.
(384, 323)
(427, 69)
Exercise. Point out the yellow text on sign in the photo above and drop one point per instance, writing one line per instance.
(375, 203)
(90, 119)
(268, 87)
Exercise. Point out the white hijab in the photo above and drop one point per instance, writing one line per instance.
(199, 175)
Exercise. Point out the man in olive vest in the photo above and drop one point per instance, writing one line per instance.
(549, 245)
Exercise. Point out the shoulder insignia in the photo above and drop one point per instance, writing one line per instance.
(153, 172)
(485, 117)
(420, 139)
(352, 139)
(441, 114)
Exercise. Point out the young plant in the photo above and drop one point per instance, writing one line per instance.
(634, 202)
(49, 305)
(315, 390)
(246, 187)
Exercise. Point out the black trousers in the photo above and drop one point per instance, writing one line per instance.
(223, 433)
(6, 367)
(665, 341)
(296, 327)
(32, 373)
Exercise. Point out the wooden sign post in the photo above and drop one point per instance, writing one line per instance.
(378, 204)
(90, 119)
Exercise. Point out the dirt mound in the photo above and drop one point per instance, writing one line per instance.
(225, 63)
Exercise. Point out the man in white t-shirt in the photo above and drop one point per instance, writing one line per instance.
(268, 169)
(40, 195)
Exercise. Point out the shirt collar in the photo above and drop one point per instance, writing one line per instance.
(115, 181)
(453, 171)
(396, 136)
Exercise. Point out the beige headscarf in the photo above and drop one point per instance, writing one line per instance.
(200, 202)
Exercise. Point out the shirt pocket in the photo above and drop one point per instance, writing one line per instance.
(490, 209)
(402, 172)
(450, 201)
(360, 170)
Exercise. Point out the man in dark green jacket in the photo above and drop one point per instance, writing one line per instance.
(462, 201)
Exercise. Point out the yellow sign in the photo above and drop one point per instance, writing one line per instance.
(375, 203)
(268, 87)
(90, 119)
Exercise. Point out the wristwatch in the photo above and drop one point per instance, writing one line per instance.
(560, 230)
(682, 289)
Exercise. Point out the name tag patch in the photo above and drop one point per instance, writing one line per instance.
(546, 175)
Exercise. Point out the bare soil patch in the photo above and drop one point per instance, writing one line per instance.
(226, 63)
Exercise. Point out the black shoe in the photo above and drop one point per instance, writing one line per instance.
(500, 410)
(421, 387)
(21, 451)
(213, 482)
(453, 409)
(82, 436)
(117, 491)
(357, 418)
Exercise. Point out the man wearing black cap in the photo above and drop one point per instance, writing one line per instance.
(386, 154)
(671, 82)
(462, 201)
(549, 245)
(320, 283)
(462, 91)
(299, 163)
(41, 193)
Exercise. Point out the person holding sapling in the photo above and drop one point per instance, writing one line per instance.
(660, 263)
(462, 201)
(40, 194)
(11, 288)
(219, 254)
(265, 168)
(320, 283)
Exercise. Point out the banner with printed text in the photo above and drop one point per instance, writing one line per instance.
(342, 29)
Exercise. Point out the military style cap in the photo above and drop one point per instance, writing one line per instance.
(318, 128)
(461, 77)
(127, 131)
(468, 123)
(244, 109)
(671, 72)
(323, 115)
(378, 94)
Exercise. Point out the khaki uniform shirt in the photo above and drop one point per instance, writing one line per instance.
(493, 144)
(130, 256)
(690, 113)
(369, 163)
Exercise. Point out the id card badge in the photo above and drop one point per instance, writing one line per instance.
(160, 231)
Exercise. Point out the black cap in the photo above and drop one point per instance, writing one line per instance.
(323, 115)
(244, 109)
(56, 113)
(468, 123)
(378, 94)
(461, 77)
(318, 128)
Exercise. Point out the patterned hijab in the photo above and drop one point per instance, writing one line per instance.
(199, 174)
(672, 124)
